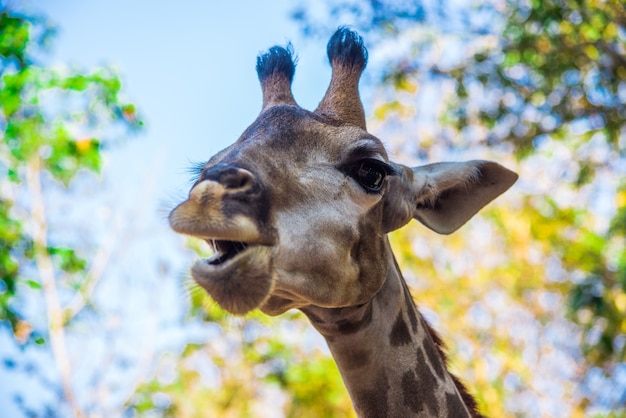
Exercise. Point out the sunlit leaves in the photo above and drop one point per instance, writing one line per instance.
(315, 378)
(246, 369)
(64, 156)
(14, 38)
(67, 259)
(45, 113)
(556, 65)
(55, 120)
(14, 246)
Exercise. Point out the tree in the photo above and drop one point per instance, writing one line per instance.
(54, 125)
(545, 82)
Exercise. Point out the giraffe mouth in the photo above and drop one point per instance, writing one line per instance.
(225, 251)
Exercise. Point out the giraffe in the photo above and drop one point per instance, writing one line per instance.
(298, 210)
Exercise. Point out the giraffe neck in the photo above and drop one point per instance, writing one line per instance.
(388, 356)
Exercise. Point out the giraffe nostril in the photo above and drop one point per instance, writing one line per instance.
(234, 179)
(241, 180)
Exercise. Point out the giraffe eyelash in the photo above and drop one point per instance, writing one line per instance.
(195, 170)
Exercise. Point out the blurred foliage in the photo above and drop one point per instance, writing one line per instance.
(544, 81)
(14, 246)
(47, 117)
(560, 64)
(54, 124)
(322, 18)
(247, 368)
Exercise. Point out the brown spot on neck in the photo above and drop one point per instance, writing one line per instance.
(373, 402)
(400, 334)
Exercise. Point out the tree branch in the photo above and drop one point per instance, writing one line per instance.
(92, 278)
(48, 282)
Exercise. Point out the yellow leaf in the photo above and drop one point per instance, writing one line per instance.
(83, 144)
(22, 331)
(620, 301)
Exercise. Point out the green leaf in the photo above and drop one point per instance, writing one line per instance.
(33, 284)
(67, 259)
(14, 37)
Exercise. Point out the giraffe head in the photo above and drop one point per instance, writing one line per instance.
(298, 208)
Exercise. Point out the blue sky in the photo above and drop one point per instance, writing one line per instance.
(188, 65)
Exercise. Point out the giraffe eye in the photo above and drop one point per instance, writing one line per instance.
(370, 174)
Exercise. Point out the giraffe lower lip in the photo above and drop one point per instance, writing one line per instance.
(238, 280)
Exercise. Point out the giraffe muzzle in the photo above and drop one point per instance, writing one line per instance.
(219, 210)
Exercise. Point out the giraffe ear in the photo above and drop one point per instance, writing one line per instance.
(443, 196)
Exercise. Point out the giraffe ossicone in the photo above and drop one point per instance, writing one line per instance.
(298, 209)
